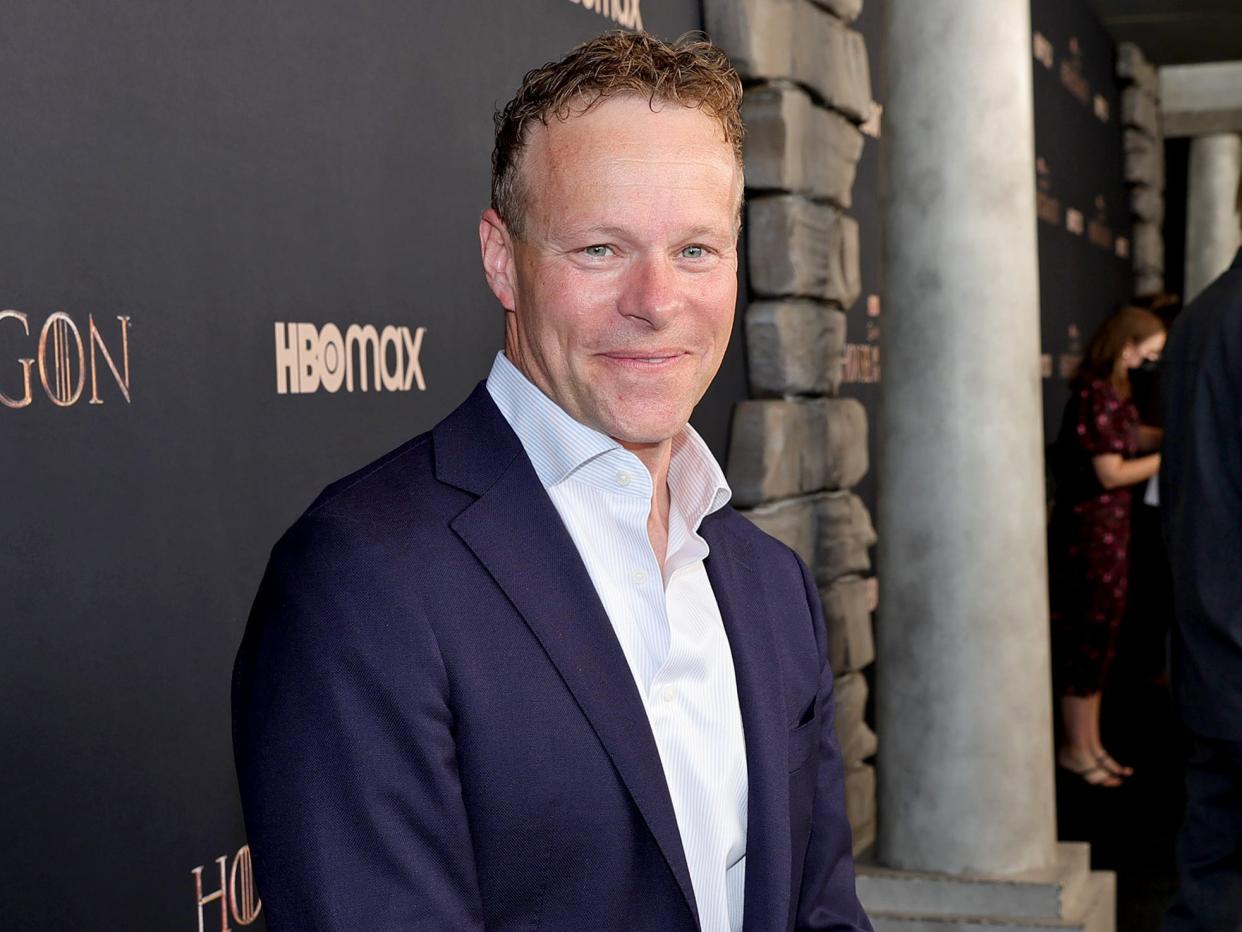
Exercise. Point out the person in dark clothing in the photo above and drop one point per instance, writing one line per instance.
(1095, 464)
(1201, 510)
(1144, 642)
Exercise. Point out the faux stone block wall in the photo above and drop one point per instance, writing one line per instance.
(797, 448)
(1144, 168)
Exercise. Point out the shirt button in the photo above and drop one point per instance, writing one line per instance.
(623, 478)
(669, 693)
(640, 576)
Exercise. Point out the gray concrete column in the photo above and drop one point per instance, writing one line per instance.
(1213, 231)
(963, 696)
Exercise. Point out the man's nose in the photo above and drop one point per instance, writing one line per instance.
(652, 291)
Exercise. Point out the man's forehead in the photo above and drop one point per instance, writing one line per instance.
(630, 145)
(624, 158)
(626, 121)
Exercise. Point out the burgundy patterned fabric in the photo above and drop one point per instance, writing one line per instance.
(1089, 562)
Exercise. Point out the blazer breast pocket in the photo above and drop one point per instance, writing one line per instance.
(803, 743)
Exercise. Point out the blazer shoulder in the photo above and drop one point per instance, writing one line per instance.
(763, 545)
(781, 566)
(400, 465)
(373, 511)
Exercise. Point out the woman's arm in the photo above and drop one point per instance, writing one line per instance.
(1149, 438)
(1114, 471)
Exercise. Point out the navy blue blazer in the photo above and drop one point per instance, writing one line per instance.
(435, 726)
(1201, 505)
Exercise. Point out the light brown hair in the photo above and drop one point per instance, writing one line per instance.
(1128, 325)
(690, 71)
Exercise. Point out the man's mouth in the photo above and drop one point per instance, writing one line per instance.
(652, 359)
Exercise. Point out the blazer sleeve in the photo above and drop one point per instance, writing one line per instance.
(343, 738)
(828, 899)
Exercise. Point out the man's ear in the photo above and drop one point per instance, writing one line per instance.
(496, 247)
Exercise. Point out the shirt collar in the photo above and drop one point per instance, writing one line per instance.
(694, 477)
(558, 446)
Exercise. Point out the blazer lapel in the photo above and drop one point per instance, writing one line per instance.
(516, 533)
(739, 591)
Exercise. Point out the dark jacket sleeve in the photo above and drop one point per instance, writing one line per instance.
(828, 900)
(343, 736)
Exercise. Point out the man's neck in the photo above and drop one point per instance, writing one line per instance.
(656, 457)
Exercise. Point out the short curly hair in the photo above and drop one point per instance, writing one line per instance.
(690, 71)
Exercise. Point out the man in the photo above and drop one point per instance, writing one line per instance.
(529, 670)
(1201, 508)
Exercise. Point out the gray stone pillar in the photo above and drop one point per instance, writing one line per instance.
(1212, 225)
(965, 762)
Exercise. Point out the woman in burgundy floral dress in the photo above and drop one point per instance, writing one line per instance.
(1095, 465)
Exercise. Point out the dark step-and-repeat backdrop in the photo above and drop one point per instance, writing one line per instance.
(1081, 199)
(201, 206)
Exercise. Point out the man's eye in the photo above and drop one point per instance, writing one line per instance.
(694, 252)
(598, 251)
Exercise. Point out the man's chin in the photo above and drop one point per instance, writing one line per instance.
(638, 421)
(643, 436)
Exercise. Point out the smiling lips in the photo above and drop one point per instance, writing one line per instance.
(651, 360)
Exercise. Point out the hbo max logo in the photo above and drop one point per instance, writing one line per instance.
(309, 358)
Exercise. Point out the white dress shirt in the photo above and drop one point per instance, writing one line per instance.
(665, 617)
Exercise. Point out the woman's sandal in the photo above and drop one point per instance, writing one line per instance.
(1116, 768)
(1095, 768)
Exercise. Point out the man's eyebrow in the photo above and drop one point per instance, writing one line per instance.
(589, 230)
(609, 231)
(707, 231)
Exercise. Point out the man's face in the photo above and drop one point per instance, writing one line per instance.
(620, 293)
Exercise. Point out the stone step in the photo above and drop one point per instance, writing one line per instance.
(1046, 893)
(1096, 913)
